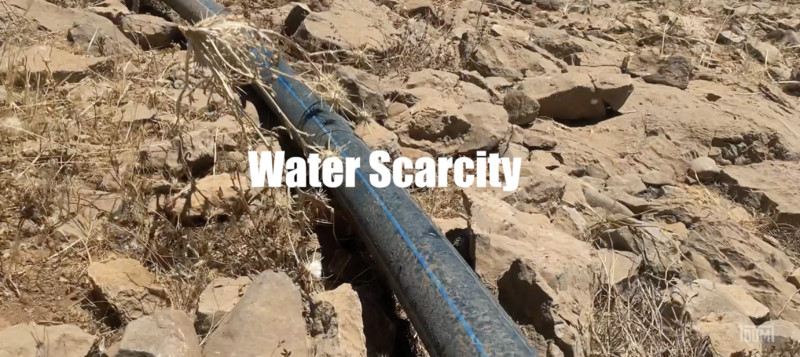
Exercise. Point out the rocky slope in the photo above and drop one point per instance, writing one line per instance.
(657, 212)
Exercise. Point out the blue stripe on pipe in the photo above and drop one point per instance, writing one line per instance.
(398, 228)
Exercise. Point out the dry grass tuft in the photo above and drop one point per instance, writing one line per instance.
(630, 321)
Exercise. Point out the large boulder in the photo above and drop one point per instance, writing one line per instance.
(268, 318)
(32, 340)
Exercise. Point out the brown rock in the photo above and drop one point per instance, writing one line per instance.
(618, 266)
(41, 61)
(763, 51)
(213, 195)
(149, 31)
(657, 178)
(630, 183)
(55, 18)
(269, 317)
(779, 335)
(363, 89)
(217, 300)
(348, 25)
(768, 186)
(378, 138)
(128, 287)
(521, 108)
(675, 71)
(95, 41)
(32, 340)
(703, 168)
(724, 333)
(794, 278)
(567, 96)
(113, 10)
(497, 56)
(337, 328)
(166, 333)
(657, 249)
(702, 298)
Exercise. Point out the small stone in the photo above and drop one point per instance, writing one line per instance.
(544, 159)
(630, 183)
(533, 141)
(166, 333)
(703, 168)
(217, 300)
(657, 178)
(12, 128)
(150, 32)
(32, 340)
(794, 278)
(378, 138)
(521, 108)
(675, 71)
(728, 37)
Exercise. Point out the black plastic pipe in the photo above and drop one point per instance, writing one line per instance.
(454, 314)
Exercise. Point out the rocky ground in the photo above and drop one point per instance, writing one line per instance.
(658, 211)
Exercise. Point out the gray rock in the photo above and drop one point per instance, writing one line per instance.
(166, 333)
(268, 319)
